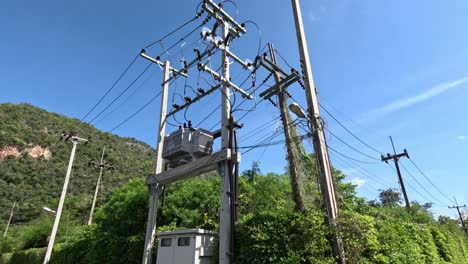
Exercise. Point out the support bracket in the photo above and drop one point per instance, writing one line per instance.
(192, 169)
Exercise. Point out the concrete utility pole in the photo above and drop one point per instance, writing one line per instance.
(224, 168)
(156, 190)
(9, 220)
(396, 157)
(325, 176)
(291, 145)
(75, 140)
(225, 160)
(456, 206)
(102, 167)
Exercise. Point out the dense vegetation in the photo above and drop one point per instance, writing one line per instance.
(36, 182)
(268, 230)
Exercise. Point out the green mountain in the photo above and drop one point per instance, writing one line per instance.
(33, 162)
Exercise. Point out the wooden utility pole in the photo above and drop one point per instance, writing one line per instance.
(75, 140)
(456, 206)
(101, 167)
(9, 220)
(396, 157)
(291, 145)
(321, 152)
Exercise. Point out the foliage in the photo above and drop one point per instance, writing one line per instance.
(389, 197)
(37, 182)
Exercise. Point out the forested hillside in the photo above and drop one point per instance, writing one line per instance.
(269, 230)
(33, 162)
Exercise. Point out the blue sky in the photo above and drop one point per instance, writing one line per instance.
(382, 68)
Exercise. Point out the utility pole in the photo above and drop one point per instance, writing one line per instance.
(290, 135)
(456, 206)
(225, 161)
(323, 163)
(9, 220)
(101, 167)
(396, 157)
(75, 140)
(157, 189)
(224, 168)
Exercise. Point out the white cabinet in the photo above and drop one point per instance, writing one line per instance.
(193, 246)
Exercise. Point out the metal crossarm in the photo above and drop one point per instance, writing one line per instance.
(218, 77)
(214, 88)
(221, 16)
(160, 63)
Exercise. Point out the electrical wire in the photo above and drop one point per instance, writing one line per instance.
(177, 29)
(420, 185)
(427, 178)
(135, 113)
(349, 131)
(351, 147)
(124, 101)
(121, 93)
(110, 89)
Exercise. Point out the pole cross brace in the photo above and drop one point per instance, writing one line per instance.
(193, 169)
(396, 156)
(222, 17)
(160, 63)
(285, 82)
(218, 77)
(212, 89)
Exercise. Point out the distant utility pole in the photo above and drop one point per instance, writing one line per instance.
(75, 140)
(101, 167)
(326, 180)
(456, 206)
(9, 220)
(396, 157)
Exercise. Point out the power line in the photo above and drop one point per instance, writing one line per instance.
(427, 178)
(416, 180)
(364, 172)
(348, 157)
(110, 89)
(125, 100)
(121, 93)
(138, 111)
(351, 147)
(349, 131)
(133, 61)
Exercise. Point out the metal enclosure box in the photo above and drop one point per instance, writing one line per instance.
(186, 145)
(193, 246)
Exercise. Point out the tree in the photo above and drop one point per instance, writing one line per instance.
(389, 197)
(253, 171)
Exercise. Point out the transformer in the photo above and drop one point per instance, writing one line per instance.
(186, 145)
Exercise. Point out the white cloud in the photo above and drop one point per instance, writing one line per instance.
(312, 17)
(462, 138)
(412, 100)
(349, 171)
(359, 182)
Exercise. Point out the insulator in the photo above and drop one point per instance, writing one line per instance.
(198, 53)
(175, 106)
(187, 99)
(201, 91)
